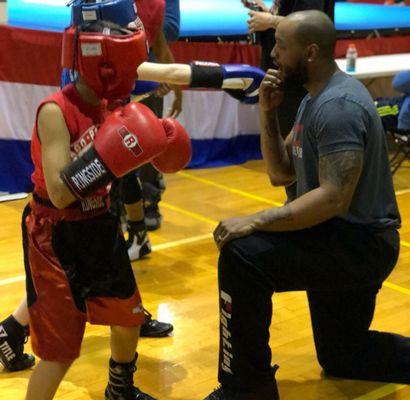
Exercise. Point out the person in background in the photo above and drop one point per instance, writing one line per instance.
(401, 83)
(395, 111)
(139, 192)
(266, 22)
(153, 184)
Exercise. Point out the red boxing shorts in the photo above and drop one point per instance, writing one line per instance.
(76, 272)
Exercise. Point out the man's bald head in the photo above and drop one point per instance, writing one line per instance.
(313, 27)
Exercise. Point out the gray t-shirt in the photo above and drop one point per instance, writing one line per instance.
(343, 117)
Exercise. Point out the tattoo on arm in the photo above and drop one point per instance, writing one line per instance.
(342, 169)
(277, 214)
(283, 213)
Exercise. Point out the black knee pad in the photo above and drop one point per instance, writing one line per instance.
(131, 189)
(148, 174)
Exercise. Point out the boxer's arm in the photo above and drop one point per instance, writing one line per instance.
(55, 153)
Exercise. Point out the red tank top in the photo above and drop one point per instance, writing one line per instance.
(151, 13)
(83, 121)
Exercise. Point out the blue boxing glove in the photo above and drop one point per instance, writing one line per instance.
(241, 81)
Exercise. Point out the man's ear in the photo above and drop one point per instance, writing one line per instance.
(312, 52)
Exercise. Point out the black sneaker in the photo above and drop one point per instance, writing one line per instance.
(12, 339)
(221, 394)
(138, 243)
(265, 391)
(133, 394)
(153, 328)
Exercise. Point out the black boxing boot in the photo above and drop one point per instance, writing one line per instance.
(13, 336)
(121, 383)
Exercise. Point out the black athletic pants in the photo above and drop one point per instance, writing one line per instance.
(341, 266)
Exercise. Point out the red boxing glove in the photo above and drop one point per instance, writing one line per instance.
(178, 153)
(130, 137)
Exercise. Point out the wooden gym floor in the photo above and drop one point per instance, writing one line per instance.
(178, 284)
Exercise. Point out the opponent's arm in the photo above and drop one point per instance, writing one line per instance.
(55, 153)
(178, 74)
(200, 74)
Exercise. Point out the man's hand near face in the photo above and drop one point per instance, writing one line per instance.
(270, 91)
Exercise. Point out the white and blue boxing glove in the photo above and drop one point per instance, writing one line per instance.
(228, 77)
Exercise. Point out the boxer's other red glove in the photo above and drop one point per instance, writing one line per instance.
(130, 137)
(178, 152)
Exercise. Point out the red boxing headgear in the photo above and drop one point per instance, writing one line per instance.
(107, 62)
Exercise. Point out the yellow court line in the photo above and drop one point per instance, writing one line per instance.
(14, 279)
(381, 392)
(246, 194)
(155, 247)
(191, 214)
(405, 244)
(229, 189)
(404, 191)
(396, 287)
(180, 242)
(258, 198)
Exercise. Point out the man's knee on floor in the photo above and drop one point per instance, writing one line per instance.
(334, 361)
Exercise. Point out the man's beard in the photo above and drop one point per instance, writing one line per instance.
(297, 76)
